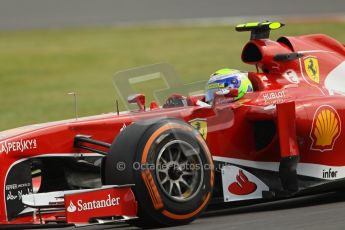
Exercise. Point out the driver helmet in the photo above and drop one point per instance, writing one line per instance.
(228, 79)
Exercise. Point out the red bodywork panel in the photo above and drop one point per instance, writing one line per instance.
(317, 108)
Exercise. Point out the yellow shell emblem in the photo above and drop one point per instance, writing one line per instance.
(311, 66)
(200, 124)
(326, 128)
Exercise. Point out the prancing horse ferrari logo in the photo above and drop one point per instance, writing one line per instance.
(311, 65)
(200, 124)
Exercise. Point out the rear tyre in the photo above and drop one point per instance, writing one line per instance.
(171, 167)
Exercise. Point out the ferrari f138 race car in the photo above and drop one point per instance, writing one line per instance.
(162, 165)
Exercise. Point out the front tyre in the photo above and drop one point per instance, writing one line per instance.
(171, 167)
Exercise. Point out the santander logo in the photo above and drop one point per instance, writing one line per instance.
(242, 186)
(94, 204)
(71, 207)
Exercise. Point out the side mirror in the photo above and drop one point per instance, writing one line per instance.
(175, 100)
(139, 99)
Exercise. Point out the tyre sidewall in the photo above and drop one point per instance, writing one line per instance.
(179, 208)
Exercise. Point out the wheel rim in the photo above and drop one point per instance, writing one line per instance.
(179, 170)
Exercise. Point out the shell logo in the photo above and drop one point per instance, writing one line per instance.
(326, 128)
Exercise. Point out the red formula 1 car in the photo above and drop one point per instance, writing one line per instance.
(163, 165)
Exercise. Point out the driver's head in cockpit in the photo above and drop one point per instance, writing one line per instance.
(225, 79)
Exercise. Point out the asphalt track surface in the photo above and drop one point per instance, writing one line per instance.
(27, 14)
(317, 212)
(325, 211)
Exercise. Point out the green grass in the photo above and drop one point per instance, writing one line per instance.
(38, 68)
